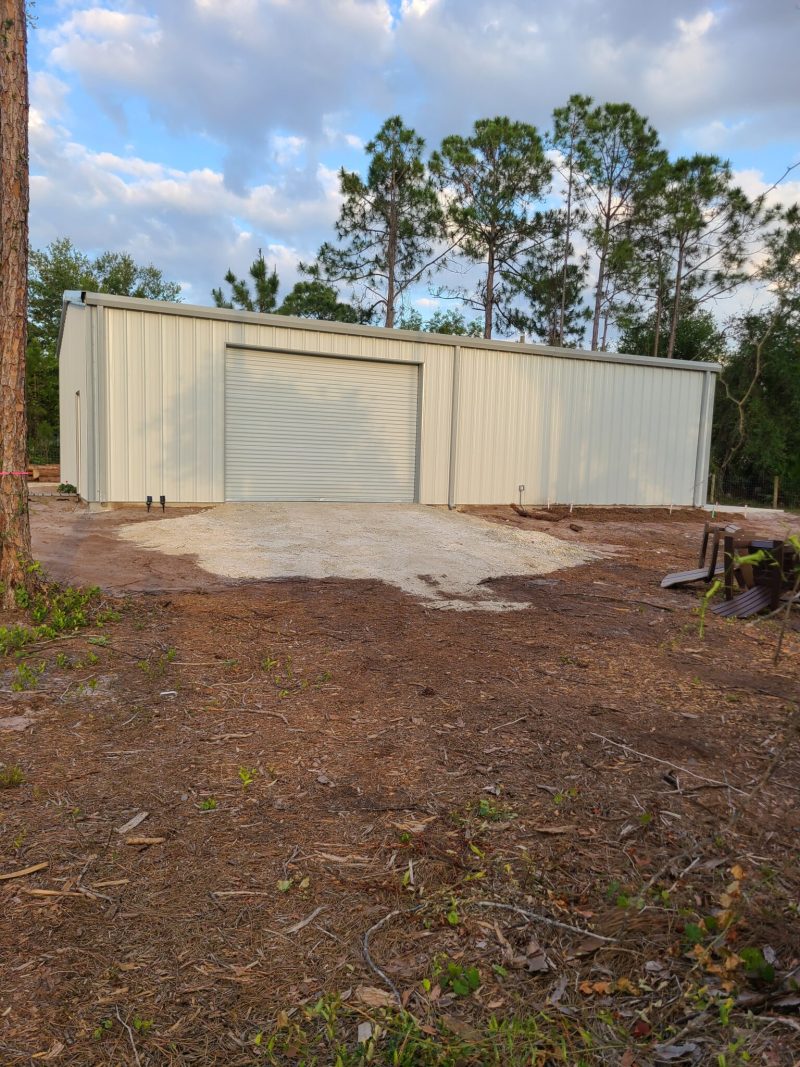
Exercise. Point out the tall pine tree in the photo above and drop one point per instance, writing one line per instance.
(390, 229)
(618, 157)
(15, 533)
(264, 295)
(493, 180)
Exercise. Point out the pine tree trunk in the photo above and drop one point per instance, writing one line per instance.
(391, 266)
(390, 299)
(657, 328)
(601, 278)
(489, 306)
(565, 265)
(15, 536)
(598, 304)
(676, 307)
(606, 318)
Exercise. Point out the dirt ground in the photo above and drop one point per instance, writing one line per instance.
(351, 797)
(435, 554)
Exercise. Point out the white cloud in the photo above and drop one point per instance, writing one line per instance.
(283, 91)
(48, 95)
(186, 221)
(716, 136)
(754, 183)
(415, 8)
(684, 70)
(683, 64)
(238, 70)
(287, 148)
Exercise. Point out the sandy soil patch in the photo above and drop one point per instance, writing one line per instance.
(443, 557)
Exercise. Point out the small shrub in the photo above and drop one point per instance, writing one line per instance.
(53, 610)
(11, 777)
(27, 677)
(247, 775)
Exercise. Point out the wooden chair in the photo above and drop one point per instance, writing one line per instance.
(712, 531)
(761, 583)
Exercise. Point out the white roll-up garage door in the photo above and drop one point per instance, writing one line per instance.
(319, 428)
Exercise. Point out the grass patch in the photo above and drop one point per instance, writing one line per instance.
(52, 611)
(328, 1033)
(11, 777)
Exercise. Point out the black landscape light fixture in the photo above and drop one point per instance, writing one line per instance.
(149, 502)
(163, 502)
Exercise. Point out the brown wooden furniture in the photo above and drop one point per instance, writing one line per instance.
(704, 572)
(761, 582)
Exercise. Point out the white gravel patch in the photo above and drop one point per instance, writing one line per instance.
(438, 555)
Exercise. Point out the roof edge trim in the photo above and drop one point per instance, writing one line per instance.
(164, 307)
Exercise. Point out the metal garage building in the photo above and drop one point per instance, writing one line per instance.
(204, 405)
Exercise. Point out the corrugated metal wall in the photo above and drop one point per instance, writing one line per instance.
(75, 399)
(575, 431)
(165, 399)
(164, 396)
(571, 429)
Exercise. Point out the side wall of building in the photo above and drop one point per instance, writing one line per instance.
(165, 397)
(576, 431)
(572, 430)
(75, 414)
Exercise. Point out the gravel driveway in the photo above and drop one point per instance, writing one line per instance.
(438, 555)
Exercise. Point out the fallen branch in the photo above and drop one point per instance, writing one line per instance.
(371, 963)
(23, 873)
(130, 1035)
(670, 763)
(243, 893)
(51, 893)
(131, 824)
(619, 600)
(534, 916)
(271, 714)
(304, 922)
(513, 722)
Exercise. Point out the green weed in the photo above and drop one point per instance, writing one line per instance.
(247, 775)
(325, 1034)
(463, 981)
(286, 680)
(705, 601)
(102, 1029)
(491, 812)
(156, 666)
(11, 777)
(53, 610)
(27, 677)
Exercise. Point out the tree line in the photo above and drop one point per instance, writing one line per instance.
(587, 234)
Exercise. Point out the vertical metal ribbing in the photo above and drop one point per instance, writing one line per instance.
(703, 443)
(451, 481)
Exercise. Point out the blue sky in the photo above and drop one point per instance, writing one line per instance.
(193, 132)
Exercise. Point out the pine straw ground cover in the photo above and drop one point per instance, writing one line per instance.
(318, 823)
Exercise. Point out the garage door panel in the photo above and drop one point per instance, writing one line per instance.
(319, 428)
